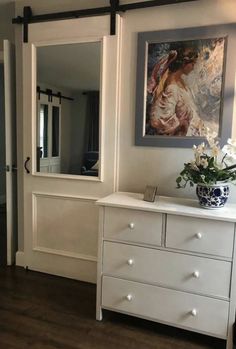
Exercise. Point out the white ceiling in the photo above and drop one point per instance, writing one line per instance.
(73, 66)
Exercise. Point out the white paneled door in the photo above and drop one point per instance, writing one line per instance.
(60, 215)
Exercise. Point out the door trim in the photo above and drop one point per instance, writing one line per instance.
(66, 254)
(9, 100)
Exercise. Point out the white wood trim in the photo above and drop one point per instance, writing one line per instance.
(9, 89)
(65, 176)
(7, 51)
(68, 42)
(99, 265)
(20, 259)
(66, 254)
(61, 196)
(93, 26)
(34, 107)
(80, 266)
(102, 111)
(118, 102)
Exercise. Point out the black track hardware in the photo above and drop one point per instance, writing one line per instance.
(113, 9)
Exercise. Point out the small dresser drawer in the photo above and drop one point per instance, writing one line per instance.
(181, 309)
(179, 271)
(200, 235)
(133, 226)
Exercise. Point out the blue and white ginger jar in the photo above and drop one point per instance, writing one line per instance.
(212, 195)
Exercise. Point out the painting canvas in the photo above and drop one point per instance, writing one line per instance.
(185, 83)
(184, 87)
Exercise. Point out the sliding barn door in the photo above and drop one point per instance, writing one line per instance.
(60, 215)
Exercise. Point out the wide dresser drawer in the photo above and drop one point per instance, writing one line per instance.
(200, 235)
(133, 226)
(176, 270)
(176, 308)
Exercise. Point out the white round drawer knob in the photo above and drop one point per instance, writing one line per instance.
(131, 225)
(130, 262)
(199, 236)
(194, 312)
(129, 297)
(196, 274)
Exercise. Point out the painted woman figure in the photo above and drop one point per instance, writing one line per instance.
(172, 111)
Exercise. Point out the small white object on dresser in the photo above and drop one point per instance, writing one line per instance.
(169, 261)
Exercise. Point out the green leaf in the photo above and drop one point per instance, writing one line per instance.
(178, 180)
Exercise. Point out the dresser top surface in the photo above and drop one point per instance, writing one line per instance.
(172, 205)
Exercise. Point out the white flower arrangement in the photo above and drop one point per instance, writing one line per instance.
(206, 167)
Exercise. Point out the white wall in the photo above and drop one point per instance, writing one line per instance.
(138, 166)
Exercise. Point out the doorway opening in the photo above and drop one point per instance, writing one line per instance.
(8, 165)
(3, 230)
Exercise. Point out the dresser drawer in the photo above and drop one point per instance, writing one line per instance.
(181, 309)
(200, 235)
(133, 226)
(183, 272)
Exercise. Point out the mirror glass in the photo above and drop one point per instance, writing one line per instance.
(68, 83)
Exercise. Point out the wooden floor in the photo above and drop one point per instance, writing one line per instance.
(3, 236)
(39, 311)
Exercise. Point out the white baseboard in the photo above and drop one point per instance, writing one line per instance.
(2, 199)
(20, 259)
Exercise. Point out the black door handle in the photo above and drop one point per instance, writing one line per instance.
(25, 164)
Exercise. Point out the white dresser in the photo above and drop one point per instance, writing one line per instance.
(169, 261)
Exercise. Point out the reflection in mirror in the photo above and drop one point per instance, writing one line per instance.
(43, 129)
(68, 83)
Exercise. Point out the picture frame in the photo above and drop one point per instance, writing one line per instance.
(212, 52)
(150, 193)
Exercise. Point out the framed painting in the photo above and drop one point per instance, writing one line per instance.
(185, 83)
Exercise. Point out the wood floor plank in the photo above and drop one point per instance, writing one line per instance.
(3, 236)
(40, 311)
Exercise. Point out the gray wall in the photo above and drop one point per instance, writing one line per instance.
(78, 132)
(2, 139)
(7, 12)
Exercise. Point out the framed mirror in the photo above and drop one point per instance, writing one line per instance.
(68, 105)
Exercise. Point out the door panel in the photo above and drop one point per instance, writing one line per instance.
(61, 219)
(67, 224)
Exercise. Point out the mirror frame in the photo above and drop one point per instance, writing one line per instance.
(100, 177)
